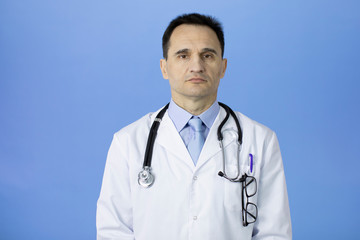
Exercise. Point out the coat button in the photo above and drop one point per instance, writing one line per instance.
(195, 178)
(194, 218)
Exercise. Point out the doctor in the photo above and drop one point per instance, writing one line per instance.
(188, 198)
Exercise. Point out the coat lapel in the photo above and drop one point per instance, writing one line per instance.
(212, 145)
(170, 139)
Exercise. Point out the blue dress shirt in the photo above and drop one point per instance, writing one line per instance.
(180, 118)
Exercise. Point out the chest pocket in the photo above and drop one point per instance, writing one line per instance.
(233, 190)
(236, 165)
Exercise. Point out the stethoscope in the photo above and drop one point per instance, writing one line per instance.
(146, 178)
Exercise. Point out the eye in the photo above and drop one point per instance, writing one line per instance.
(207, 56)
(182, 56)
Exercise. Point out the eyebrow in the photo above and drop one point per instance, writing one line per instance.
(209, 50)
(186, 50)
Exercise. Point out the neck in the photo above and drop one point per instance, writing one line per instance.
(194, 106)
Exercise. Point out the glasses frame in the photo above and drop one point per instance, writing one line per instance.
(244, 190)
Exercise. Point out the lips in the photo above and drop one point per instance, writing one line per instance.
(196, 80)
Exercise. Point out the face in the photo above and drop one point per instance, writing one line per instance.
(194, 65)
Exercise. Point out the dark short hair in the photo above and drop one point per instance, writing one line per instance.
(193, 19)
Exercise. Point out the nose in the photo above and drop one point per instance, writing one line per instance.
(196, 65)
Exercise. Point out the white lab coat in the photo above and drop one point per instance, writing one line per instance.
(187, 201)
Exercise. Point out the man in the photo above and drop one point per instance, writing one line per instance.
(188, 198)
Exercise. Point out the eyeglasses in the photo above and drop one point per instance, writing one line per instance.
(249, 209)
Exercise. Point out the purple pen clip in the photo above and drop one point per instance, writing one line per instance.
(251, 162)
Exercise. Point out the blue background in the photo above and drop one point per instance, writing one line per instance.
(74, 72)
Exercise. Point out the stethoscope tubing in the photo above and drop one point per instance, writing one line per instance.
(155, 126)
(151, 138)
(229, 110)
(146, 178)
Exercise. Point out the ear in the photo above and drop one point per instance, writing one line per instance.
(163, 68)
(224, 66)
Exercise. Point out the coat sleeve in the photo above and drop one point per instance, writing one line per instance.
(114, 209)
(273, 222)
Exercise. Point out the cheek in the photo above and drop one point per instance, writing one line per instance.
(217, 73)
(176, 71)
(216, 68)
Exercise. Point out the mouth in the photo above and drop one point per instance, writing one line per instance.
(196, 80)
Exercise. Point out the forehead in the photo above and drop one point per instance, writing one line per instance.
(193, 36)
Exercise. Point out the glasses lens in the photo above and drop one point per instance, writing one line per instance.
(250, 186)
(251, 212)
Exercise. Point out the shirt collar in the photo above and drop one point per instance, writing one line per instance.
(180, 116)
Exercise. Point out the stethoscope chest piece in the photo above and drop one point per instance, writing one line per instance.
(145, 177)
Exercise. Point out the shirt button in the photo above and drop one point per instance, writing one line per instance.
(194, 218)
(195, 178)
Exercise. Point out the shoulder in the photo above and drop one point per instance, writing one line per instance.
(252, 128)
(251, 122)
(139, 127)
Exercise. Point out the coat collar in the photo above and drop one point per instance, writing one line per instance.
(169, 138)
